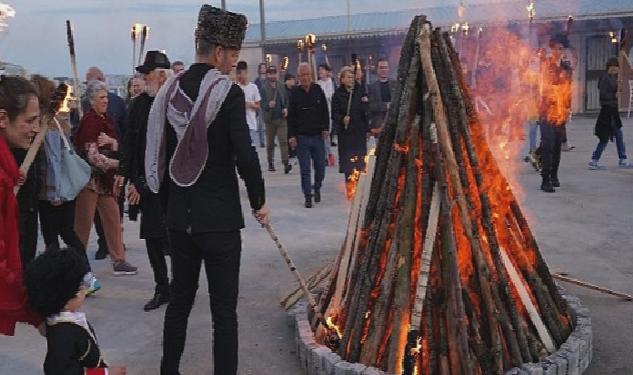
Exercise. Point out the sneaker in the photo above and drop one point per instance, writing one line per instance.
(317, 196)
(123, 268)
(101, 253)
(271, 167)
(594, 165)
(625, 164)
(547, 187)
(287, 168)
(94, 286)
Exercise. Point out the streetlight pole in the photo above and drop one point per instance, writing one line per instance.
(223, 4)
(262, 26)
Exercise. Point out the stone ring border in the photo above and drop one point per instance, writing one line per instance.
(572, 358)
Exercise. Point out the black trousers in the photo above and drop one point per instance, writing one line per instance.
(59, 221)
(28, 236)
(101, 241)
(220, 253)
(156, 255)
(551, 139)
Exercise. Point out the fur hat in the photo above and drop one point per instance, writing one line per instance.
(221, 27)
(52, 279)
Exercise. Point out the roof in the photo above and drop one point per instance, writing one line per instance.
(398, 21)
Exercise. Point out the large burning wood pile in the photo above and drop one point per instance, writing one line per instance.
(439, 272)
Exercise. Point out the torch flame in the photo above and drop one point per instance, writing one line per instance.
(330, 324)
(531, 9)
(69, 94)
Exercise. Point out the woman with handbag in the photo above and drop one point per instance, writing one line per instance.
(63, 174)
(96, 141)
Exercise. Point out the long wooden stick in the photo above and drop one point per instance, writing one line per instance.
(587, 285)
(73, 65)
(294, 271)
(32, 153)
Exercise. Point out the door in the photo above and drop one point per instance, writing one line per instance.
(599, 49)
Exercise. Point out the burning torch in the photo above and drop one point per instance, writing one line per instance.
(144, 35)
(300, 46)
(5, 12)
(284, 64)
(324, 50)
(351, 93)
(310, 44)
(73, 64)
(531, 9)
(136, 29)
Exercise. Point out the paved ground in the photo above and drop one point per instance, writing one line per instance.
(583, 229)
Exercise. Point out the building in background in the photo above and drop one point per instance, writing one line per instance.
(380, 35)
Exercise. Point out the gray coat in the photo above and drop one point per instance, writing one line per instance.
(378, 108)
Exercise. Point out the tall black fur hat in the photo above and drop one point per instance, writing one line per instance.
(221, 27)
(52, 279)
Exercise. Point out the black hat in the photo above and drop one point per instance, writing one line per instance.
(272, 69)
(217, 26)
(154, 60)
(289, 76)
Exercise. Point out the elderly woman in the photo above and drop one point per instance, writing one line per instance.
(19, 122)
(96, 141)
(351, 127)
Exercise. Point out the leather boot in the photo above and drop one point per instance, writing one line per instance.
(308, 203)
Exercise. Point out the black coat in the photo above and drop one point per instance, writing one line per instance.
(608, 121)
(352, 142)
(212, 204)
(71, 349)
(133, 167)
(308, 113)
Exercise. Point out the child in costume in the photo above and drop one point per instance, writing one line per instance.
(56, 284)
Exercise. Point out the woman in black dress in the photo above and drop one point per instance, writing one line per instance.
(351, 124)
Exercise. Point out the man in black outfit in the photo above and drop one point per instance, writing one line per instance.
(198, 163)
(308, 127)
(380, 94)
(156, 70)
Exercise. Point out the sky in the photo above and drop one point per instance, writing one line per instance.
(36, 36)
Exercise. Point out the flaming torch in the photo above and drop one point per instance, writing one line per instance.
(73, 63)
(324, 50)
(351, 93)
(144, 35)
(136, 29)
(300, 46)
(5, 12)
(531, 9)
(284, 63)
(310, 44)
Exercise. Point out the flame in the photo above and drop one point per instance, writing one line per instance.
(531, 9)
(352, 180)
(330, 324)
(69, 95)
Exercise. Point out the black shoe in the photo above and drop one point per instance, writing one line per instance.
(271, 167)
(547, 187)
(101, 253)
(555, 182)
(317, 196)
(333, 144)
(287, 168)
(308, 201)
(159, 299)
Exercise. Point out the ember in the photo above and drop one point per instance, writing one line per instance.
(439, 271)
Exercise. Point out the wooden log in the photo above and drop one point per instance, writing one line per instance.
(442, 127)
(406, 222)
(315, 279)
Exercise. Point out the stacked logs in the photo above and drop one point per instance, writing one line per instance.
(439, 272)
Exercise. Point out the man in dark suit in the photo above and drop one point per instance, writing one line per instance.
(196, 173)
(380, 94)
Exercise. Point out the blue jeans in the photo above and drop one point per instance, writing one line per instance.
(311, 149)
(261, 128)
(619, 142)
(533, 126)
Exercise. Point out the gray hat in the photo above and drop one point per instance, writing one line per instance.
(221, 27)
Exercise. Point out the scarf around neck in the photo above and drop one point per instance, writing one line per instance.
(190, 121)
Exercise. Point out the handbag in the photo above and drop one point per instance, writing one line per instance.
(75, 172)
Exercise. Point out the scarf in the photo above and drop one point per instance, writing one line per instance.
(190, 121)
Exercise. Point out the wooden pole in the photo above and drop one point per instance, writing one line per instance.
(73, 65)
(587, 285)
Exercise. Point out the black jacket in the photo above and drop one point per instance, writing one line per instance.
(71, 349)
(377, 106)
(308, 113)
(212, 204)
(352, 142)
(608, 86)
(132, 167)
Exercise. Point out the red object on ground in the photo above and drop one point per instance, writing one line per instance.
(13, 304)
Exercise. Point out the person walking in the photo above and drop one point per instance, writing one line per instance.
(251, 96)
(609, 125)
(197, 171)
(156, 69)
(380, 95)
(308, 125)
(352, 127)
(96, 142)
(274, 107)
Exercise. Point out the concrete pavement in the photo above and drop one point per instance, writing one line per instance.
(584, 229)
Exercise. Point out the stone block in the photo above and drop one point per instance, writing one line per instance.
(342, 368)
(531, 369)
(372, 371)
(357, 369)
(329, 362)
